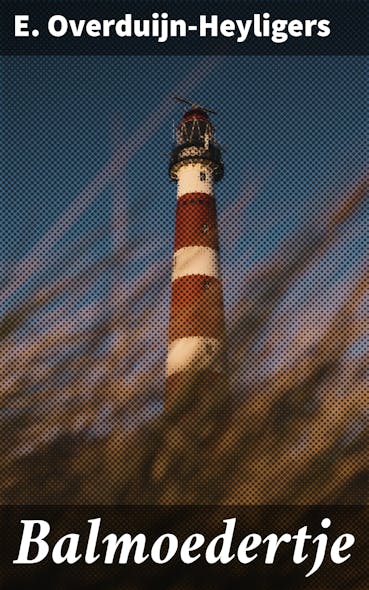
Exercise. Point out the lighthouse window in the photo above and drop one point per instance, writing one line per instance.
(202, 176)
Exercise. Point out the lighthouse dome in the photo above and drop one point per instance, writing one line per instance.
(195, 113)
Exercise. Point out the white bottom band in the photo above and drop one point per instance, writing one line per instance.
(194, 352)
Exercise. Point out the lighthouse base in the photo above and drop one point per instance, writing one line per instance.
(205, 392)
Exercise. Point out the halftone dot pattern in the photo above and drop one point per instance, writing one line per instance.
(88, 239)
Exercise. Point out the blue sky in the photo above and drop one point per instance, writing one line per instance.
(293, 130)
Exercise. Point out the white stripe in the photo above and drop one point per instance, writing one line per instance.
(190, 181)
(195, 351)
(195, 260)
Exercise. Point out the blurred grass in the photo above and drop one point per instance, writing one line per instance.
(82, 384)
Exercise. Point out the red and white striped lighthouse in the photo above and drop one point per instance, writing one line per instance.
(196, 363)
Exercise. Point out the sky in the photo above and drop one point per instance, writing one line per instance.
(293, 131)
(295, 125)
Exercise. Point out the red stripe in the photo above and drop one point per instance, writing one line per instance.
(190, 116)
(196, 308)
(196, 221)
(192, 197)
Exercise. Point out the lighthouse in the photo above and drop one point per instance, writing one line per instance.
(196, 359)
